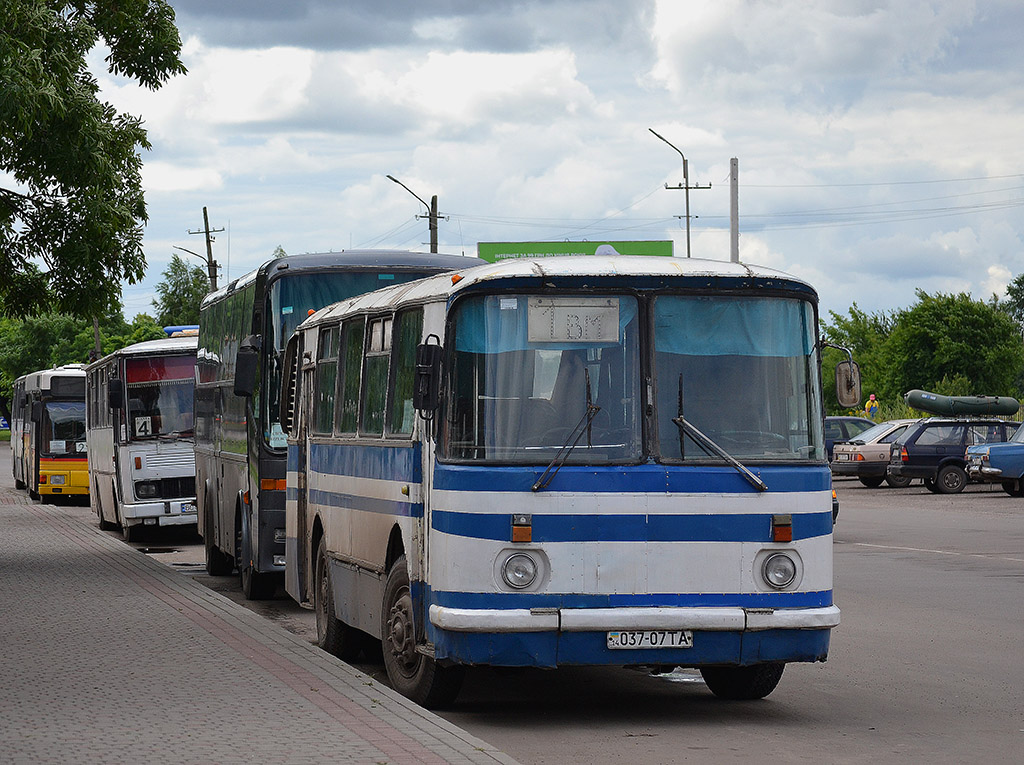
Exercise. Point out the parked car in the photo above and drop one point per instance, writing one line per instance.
(999, 463)
(843, 429)
(867, 456)
(934, 449)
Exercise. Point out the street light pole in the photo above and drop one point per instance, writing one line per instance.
(685, 186)
(431, 212)
(211, 265)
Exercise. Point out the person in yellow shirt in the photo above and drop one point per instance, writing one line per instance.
(871, 407)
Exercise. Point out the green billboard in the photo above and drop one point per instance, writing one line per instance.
(494, 251)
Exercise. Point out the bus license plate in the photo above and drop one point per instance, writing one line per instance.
(650, 639)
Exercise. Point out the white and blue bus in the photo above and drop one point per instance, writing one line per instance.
(589, 460)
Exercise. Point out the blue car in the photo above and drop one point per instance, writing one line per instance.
(999, 463)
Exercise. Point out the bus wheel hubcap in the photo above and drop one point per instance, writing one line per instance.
(400, 632)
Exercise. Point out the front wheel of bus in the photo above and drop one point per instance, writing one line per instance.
(413, 674)
(743, 683)
(332, 634)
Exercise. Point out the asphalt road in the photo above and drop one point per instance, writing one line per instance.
(925, 667)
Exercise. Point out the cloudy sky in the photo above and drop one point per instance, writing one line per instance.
(879, 141)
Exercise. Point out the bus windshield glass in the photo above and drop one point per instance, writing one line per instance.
(742, 370)
(63, 429)
(290, 299)
(532, 375)
(159, 396)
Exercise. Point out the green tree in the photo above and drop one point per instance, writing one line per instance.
(52, 339)
(180, 293)
(278, 253)
(866, 336)
(1013, 305)
(71, 226)
(953, 342)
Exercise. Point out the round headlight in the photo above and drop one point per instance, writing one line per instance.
(779, 570)
(519, 571)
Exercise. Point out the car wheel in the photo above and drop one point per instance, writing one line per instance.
(929, 483)
(872, 482)
(1010, 487)
(898, 481)
(951, 479)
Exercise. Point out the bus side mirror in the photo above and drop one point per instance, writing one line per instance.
(848, 383)
(246, 363)
(427, 380)
(37, 411)
(115, 393)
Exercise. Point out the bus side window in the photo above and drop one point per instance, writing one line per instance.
(375, 377)
(326, 381)
(401, 413)
(349, 374)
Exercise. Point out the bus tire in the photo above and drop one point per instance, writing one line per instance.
(256, 585)
(951, 479)
(217, 562)
(743, 683)
(413, 674)
(131, 533)
(19, 484)
(105, 525)
(898, 481)
(332, 634)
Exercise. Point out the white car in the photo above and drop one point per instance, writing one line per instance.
(866, 456)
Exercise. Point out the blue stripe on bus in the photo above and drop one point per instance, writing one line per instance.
(749, 527)
(319, 497)
(388, 463)
(509, 600)
(648, 478)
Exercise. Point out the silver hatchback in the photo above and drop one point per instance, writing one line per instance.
(866, 456)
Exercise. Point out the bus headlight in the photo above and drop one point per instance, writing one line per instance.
(519, 571)
(779, 570)
(146, 489)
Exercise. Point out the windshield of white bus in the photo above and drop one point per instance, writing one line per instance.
(290, 299)
(533, 374)
(159, 396)
(63, 429)
(743, 371)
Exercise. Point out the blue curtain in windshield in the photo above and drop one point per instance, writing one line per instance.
(735, 326)
(497, 324)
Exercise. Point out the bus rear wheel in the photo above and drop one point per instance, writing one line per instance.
(332, 634)
(217, 562)
(413, 674)
(743, 683)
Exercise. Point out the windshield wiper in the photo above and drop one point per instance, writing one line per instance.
(709, 446)
(570, 441)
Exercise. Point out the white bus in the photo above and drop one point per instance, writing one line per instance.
(139, 404)
(591, 460)
(48, 448)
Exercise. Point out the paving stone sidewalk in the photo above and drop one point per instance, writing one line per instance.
(109, 656)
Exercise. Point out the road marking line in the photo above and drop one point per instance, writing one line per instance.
(938, 552)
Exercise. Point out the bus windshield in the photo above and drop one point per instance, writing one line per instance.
(532, 374)
(290, 299)
(63, 429)
(742, 370)
(159, 392)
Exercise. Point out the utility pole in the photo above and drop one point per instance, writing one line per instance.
(734, 210)
(211, 264)
(685, 186)
(431, 212)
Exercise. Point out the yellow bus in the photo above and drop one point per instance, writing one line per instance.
(48, 432)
